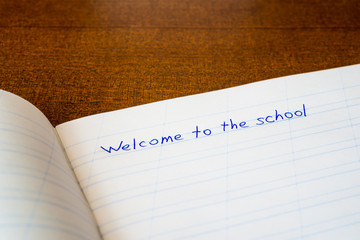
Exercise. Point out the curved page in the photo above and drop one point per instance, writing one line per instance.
(39, 195)
(278, 159)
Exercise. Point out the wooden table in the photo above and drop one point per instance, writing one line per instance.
(81, 57)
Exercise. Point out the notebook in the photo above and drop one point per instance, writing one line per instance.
(275, 159)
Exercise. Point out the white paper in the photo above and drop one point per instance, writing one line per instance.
(39, 195)
(274, 177)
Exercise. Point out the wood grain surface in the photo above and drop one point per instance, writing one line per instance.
(81, 57)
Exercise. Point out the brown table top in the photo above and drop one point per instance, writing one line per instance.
(76, 58)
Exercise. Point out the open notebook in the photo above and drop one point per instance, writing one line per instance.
(277, 159)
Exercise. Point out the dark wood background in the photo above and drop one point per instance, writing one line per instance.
(73, 58)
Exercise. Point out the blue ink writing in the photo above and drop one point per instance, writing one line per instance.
(154, 141)
(277, 116)
(206, 132)
(226, 126)
(233, 125)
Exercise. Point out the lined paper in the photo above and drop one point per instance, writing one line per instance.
(290, 177)
(39, 195)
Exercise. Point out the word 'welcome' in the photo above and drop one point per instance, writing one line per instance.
(141, 144)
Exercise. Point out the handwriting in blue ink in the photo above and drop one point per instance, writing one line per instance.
(226, 126)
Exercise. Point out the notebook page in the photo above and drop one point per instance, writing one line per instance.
(277, 159)
(39, 195)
